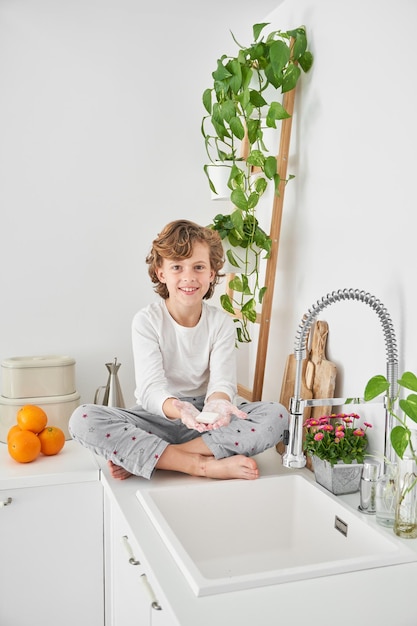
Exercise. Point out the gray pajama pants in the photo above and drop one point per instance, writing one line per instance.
(135, 439)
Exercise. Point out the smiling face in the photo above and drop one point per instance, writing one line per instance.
(187, 280)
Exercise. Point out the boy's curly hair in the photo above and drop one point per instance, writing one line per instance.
(176, 241)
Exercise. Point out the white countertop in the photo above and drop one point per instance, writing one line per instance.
(73, 464)
(385, 594)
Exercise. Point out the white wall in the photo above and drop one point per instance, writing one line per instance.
(99, 150)
(100, 112)
(348, 219)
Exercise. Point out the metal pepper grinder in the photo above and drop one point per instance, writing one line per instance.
(112, 391)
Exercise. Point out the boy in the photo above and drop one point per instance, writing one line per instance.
(184, 355)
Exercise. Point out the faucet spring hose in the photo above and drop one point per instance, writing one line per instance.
(361, 296)
(294, 456)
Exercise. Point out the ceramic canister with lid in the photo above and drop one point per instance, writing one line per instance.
(37, 376)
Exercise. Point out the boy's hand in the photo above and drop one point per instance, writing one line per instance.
(225, 409)
(188, 413)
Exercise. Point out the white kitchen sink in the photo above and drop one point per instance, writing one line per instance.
(237, 534)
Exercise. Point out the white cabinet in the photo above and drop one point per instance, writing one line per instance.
(51, 555)
(133, 597)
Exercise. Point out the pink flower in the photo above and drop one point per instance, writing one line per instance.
(318, 436)
(367, 425)
(340, 434)
(359, 432)
(327, 427)
(311, 422)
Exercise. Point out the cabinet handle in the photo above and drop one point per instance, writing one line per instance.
(132, 560)
(154, 602)
(5, 502)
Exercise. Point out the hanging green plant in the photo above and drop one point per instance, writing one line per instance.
(240, 105)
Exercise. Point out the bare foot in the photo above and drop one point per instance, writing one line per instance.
(238, 466)
(176, 459)
(120, 473)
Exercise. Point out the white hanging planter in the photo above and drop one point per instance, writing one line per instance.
(270, 137)
(219, 176)
(247, 259)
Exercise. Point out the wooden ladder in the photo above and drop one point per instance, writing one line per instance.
(264, 317)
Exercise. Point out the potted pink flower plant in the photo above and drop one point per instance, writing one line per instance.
(337, 445)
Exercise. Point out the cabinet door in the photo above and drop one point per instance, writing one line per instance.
(130, 596)
(51, 555)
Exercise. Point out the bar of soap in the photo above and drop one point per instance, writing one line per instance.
(206, 417)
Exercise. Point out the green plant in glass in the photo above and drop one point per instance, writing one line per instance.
(403, 441)
(400, 434)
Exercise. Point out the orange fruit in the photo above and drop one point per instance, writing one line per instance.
(24, 447)
(52, 440)
(14, 429)
(32, 417)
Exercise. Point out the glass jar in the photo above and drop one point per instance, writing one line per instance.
(405, 523)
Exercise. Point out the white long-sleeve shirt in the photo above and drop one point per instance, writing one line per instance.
(175, 361)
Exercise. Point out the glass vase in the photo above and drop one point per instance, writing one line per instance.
(405, 522)
(386, 496)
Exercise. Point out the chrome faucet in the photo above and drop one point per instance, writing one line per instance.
(294, 456)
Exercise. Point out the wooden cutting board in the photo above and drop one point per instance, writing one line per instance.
(325, 371)
(288, 382)
(318, 376)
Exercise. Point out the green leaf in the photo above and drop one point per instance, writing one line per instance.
(253, 127)
(275, 81)
(236, 284)
(239, 199)
(226, 303)
(236, 178)
(253, 200)
(220, 129)
(375, 386)
(212, 187)
(231, 258)
(277, 181)
(249, 310)
(400, 437)
(270, 167)
(306, 61)
(207, 100)
(221, 72)
(257, 29)
(237, 221)
(409, 381)
(245, 283)
(261, 294)
(237, 128)
(256, 158)
(257, 99)
(409, 406)
(300, 44)
(227, 110)
(235, 80)
(291, 77)
(279, 55)
(260, 185)
(276, 112)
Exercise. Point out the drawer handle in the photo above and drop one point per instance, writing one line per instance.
(154, 602)
(5, 502)
(132, 560)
